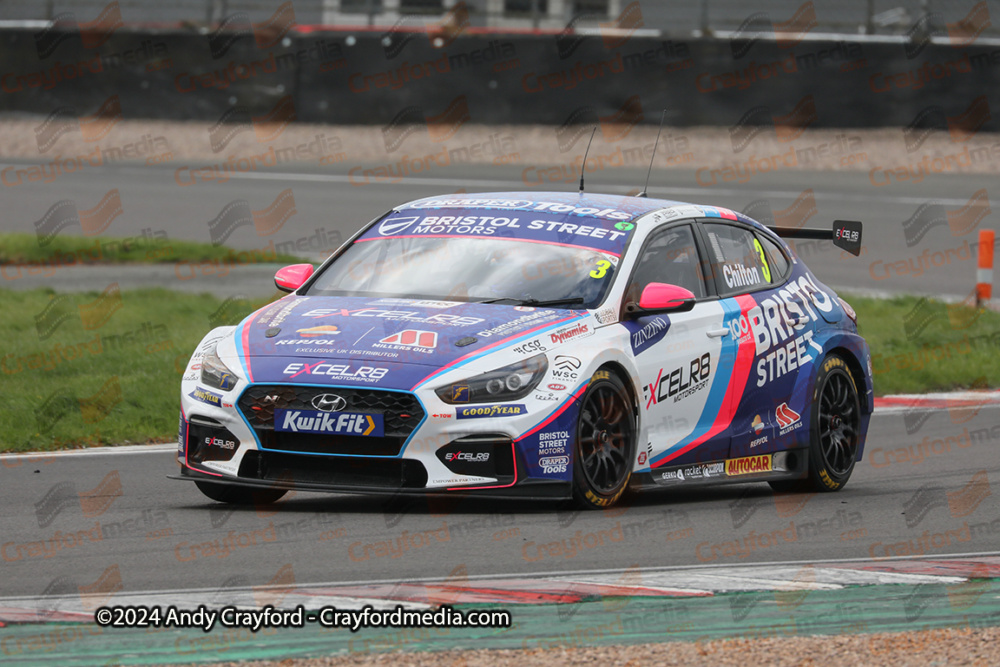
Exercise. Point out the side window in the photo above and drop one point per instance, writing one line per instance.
(775, 257)
(738, 259)
(669, 257)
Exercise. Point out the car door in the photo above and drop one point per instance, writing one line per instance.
(746, 268)
(678, 354)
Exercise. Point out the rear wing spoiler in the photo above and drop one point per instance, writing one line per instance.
(845, 234)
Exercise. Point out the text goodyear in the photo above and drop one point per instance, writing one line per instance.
(483, 411)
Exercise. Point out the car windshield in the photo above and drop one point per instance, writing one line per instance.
(464, 269)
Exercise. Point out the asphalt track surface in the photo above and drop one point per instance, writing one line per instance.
(941, 261)
(926, 491)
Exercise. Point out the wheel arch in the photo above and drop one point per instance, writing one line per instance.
(846, 348)
(618, 369)
(856, 370)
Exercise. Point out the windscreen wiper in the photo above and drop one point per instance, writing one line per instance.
(536, 302)
(553, 302)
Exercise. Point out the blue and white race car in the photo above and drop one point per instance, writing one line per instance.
(540, 345)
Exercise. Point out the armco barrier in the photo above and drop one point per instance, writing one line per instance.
(373, 77)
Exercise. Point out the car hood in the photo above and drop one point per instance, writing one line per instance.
(388, 343)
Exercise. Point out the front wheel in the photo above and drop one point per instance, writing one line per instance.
(239, 495)
(605, 443)
(836, 424)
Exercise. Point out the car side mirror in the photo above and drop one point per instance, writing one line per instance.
(663, 298)
(292, 277)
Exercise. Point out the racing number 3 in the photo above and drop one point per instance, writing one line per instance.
(602, 269)
(763, 260)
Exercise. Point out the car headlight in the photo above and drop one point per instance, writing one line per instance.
(503, 384)
(216, 374)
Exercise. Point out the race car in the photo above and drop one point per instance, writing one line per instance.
(536, 345)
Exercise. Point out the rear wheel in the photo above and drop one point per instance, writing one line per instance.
(836, 422)
(605, 443)
(239, 495)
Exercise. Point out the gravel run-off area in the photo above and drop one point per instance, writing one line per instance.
(925, 648)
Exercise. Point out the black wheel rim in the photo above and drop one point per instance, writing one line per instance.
(839, 418)
(605, 432)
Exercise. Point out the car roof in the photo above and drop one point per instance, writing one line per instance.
(634, 207)
(600, 222)
(631, 207)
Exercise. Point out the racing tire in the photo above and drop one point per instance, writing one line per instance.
(835, 426)
(239, 495)
(605, 443)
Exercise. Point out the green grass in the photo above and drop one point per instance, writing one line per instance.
(19, 248)
(118, 382)
(959, 348)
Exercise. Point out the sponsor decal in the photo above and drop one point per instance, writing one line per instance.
(648, 334)
(606, 316)
(522, 204)
(698, 471)
(553, 442)
(220, 442)
(460, 393)
(557, 387)
(396, 315)
(475, 459)
(181, 439)
(758, 441)
(524, 309)
(471, 203)
(206, 396)
(448, 481)
(314, 421)
(642, 458)
(394, 226)
(563, 335)
(280, 315)
(757, 424)
(469, 457)
(420, 304)
(680, 382)
(748, 465)
(414, 340)
(519, 323)
(774, 325)
(531, 347)
(566, 367)
(547, 225)
(336, 371)
(483, 411)
(714, 469)
(553, 464)
(788, 419)
(322, 330)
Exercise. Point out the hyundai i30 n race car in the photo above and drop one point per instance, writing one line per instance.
(542, 345)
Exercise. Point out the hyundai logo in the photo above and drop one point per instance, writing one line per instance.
(329, 403)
